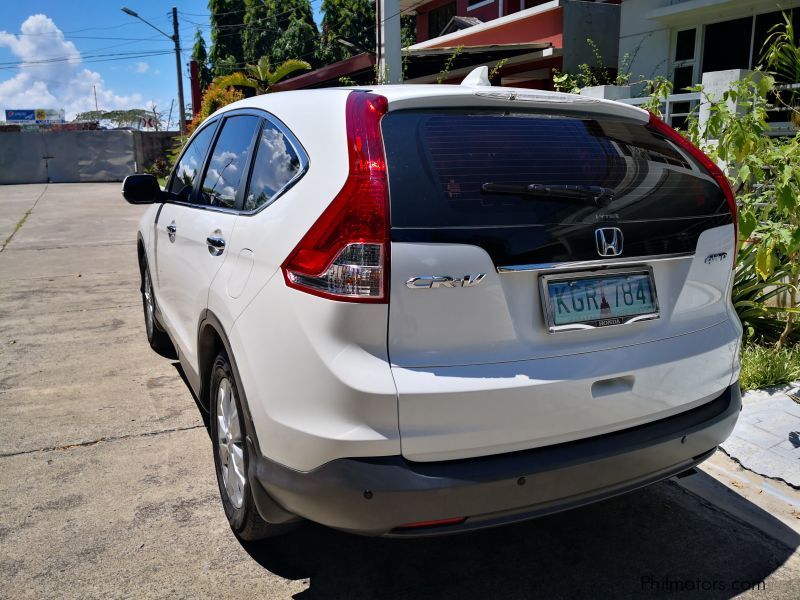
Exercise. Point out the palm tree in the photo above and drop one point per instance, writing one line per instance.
(261, 77)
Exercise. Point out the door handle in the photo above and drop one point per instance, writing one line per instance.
(172, 229)
(216, 245)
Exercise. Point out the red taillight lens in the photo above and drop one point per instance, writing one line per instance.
(344, 256)
(709, 165)
(436, 523)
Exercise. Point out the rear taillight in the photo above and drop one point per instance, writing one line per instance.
(709, 165)
(344, 256)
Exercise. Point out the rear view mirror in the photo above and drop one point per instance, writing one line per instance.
(142, 189)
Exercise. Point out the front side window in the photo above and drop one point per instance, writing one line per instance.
(276, 164)
(190, 164)
(228, 163)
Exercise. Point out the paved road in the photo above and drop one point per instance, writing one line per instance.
(107, 485)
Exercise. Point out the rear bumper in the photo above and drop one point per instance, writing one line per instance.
(375, 496)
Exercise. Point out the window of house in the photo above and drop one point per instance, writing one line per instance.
(228, 162)
(727, 45)
(472, 4)
(683, 64)
(276, 164)
(438, 18)
(764, 23)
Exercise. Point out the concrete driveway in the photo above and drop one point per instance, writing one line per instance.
(107, 485)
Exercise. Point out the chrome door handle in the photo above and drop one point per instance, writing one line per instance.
(216, 245)
(172, 229)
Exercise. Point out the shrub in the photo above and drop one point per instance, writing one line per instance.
(765, 367)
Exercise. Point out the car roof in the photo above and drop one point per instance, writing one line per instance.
(441, 96)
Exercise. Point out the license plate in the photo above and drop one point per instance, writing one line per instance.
(589, 300)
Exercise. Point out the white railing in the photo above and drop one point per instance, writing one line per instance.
(668, 108)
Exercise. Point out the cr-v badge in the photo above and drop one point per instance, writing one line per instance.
(436, 281)
(609, 241)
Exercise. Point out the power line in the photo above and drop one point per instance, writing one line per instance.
(84, 60)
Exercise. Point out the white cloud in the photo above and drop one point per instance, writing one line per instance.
(142, 67)
(62, 84)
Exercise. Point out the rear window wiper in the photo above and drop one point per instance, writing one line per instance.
(591, 194)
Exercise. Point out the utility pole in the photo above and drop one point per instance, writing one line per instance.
(176, 38)
(94, 87)
(169, 118)
(387, 32)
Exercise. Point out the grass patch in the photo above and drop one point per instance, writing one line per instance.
(162, 181)
(765, 367)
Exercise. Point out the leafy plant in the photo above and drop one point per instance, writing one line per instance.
(754, 298)
(781, 57)
(766, 367)
(159, 167)
(261, 77)
(598, 74)
(658, 91)
(448, 64)
(765, 172)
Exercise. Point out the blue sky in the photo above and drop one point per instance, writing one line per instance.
(107, 51)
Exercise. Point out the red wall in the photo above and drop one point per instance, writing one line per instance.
(543, 27)
(485, 13)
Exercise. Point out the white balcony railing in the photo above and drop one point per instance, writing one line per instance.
(675, 108)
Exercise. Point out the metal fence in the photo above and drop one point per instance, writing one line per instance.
(77, 156)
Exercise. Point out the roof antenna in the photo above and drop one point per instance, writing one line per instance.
(478, 76)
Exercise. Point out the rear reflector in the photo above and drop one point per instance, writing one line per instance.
(709, 165)
(344, 256)
(437, 523)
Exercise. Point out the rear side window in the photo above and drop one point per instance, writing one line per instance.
(190, 164)
(276, 164)
(228, 163)
(473, 168)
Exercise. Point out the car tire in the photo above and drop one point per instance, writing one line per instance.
(231, 456)
(156, 336)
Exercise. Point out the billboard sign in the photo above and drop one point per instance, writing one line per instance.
(39, 116)
(47, 116)
(20, 116)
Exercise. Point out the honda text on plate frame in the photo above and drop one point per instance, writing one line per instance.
(364, 286)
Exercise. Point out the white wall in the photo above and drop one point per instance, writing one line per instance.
(649, 39)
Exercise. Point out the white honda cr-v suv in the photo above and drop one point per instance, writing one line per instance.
(422, 309)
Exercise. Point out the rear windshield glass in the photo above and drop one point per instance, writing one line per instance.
(471, 168)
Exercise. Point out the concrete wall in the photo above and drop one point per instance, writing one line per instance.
(78, 156)
(598, 21)
(150, 145)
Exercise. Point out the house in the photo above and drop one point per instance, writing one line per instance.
(687, 40)
(520, 41)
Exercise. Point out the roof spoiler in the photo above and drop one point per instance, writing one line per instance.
(478, 77)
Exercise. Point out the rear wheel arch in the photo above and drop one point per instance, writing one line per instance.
(211, 341)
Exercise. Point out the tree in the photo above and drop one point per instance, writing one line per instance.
(260, 77)
(354, 22)
(131, 117)
(227, 22)
(279, 29)
(200, 56)
(349, 20)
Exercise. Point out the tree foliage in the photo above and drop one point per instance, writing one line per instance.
(260, 77)
(120, 118)
(227, 20)
(214, 97)
(279, 29)
(349, 20)
(200, 55)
